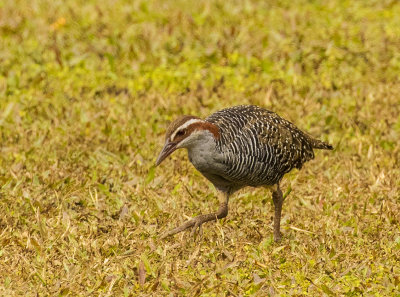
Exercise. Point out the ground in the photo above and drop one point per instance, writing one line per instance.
(86, 91)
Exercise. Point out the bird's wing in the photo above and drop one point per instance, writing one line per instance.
(259, 147)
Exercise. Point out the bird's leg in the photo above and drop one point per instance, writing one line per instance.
(199, 220)
(277, 197)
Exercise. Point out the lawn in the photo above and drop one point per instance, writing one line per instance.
(87, 89)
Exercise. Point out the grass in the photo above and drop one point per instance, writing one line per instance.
(86, 91)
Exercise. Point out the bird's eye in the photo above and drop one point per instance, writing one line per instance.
(180, 133)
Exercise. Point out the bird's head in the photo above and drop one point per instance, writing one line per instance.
(184, 132)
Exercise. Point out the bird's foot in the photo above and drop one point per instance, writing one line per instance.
(278, 199)
(277, 237)
(195, 223)
(197, 227)
(200, 220)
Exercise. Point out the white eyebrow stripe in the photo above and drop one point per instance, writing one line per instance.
(184, 126)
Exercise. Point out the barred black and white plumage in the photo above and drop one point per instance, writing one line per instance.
(259, 146)
(241, 146)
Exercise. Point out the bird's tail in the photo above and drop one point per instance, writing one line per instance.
(316, 143)
(319, 144)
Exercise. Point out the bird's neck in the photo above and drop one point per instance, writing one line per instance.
(204, 127)
(202, 148)
(213, 129)
(198, 139)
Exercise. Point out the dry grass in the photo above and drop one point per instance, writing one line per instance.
(86, 90)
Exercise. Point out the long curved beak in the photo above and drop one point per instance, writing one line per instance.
(167, 150)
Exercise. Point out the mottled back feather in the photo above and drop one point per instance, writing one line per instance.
(259, 146)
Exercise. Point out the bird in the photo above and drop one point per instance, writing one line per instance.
(237, 147)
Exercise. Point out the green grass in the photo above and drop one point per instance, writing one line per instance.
(86, 91)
